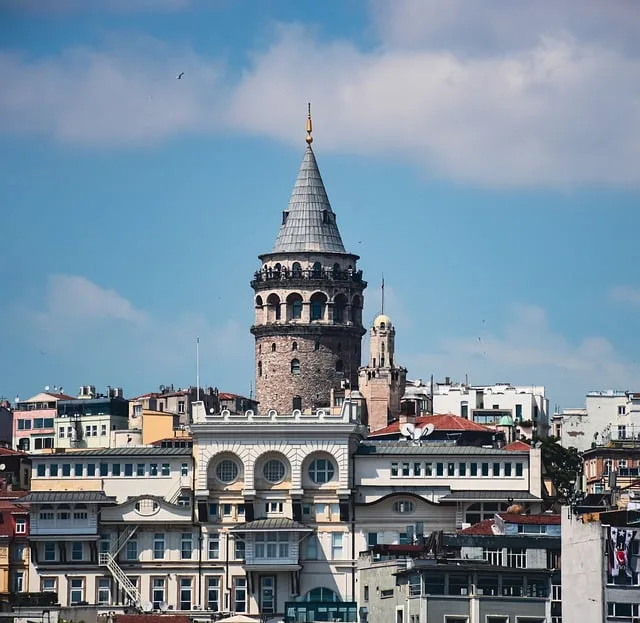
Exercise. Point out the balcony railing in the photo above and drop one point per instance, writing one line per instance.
(285, 274)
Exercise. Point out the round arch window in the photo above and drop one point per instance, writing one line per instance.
(227, 471)
(321, 471)
(404, 507)
(274, 471)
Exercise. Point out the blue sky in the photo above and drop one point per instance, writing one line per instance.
(483, 159)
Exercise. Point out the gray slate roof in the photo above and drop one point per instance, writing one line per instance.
(487, 495)
(310, 223)
(431, 448)
(52, 497)
(125, 451)
(276, 524)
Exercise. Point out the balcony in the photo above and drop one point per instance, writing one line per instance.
(309, 611)
(293, 278)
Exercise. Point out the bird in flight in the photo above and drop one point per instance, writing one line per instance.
(179, 76)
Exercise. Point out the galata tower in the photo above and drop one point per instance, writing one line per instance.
(308, 303)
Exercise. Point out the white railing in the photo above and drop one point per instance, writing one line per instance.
(107, 560)
(122, 540)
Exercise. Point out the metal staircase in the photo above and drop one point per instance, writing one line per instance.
(108, 560)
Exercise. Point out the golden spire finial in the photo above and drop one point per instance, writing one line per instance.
(309, 138)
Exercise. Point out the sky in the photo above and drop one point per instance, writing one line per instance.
(483, 157)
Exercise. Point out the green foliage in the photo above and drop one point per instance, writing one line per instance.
(563, 466)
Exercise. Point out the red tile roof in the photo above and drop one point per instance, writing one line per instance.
(10, 452)
(517, 446)
(543, 519)
(483, 528)
(441, 422)
(60, 396)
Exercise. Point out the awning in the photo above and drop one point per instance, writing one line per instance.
(279, 524)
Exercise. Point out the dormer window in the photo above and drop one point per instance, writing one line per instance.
(285, 216)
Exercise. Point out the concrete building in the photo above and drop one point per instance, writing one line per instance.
(382, 382)
(88, 421)
(33, 422)
(608, 415)
(308, 304)
(14, 543)
(600, 566)
(527, 405)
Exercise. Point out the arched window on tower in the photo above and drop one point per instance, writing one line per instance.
(339, 305)
(259, 368)
(295, 367)
(318, 303)
(297, 403)
(296, 270)
(273, 308)
(316, 345)
(356, 310)
(273, 347)
(294, 346)
(316, 270)
(294, 306)
(336, 271)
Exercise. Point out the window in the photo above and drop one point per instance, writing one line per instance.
(622, 431)
(184, 470)
(166, 469)
(76, 590)
(180, 406)
(274, 471)
(464, 409)
(372, 539)
(622, 609)
(21, 525)
(485, 469)
(104, 591)
(238, 548)
(91, 469)
(240, 594)
(227, 471)
(53, 470)
(434, 583)
(394, 469)
(312, 547)
(272, 545)
(18, 581)
(532, 529)
(50, 552)
(273, 508)
(115, 469)
(496, 470)
(517, 558)
(185, 593)
(451, 469)
(336, 545)
(186, 546)
(213, 594)
(439, 469)
(153, 469)
(492, 556)
(46, 515)
(49, 585)
(406, 469)
(428, 469)
(366, 593)
(158, 545)
(214, 547)
(41, 470)
(77, 551)
(519, 470)
(458, 584)
(104, 469)
(404, 507)
(18, 552)
(519, 413)
(316, 345)
(103, 430)
(131, 552)
(473, 469)
(140, 470)
(462, 469)
(105, 543)
(417, 469)
(321, 471)
(157, 592)
(61, 432)
(295, 367)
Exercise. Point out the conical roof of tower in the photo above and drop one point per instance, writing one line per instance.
(309, 223)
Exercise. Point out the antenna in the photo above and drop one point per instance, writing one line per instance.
(198, 369)
(382, 295)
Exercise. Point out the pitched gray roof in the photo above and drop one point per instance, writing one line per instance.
(431, 448)
(124, 451)
(48, 497)
(487, 495)
(276, 524)
(309, 223)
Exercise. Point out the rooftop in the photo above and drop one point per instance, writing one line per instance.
(441, 422)
(52, 497)
(277, 524)
(542, 519)
(517, 446)
(309, 224)
(399, 447)
(483, 528)
(488, 495)
(126, 451)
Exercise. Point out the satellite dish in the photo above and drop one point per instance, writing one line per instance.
(211, 410)
(2, 467)
(147, 606)
(417, 433)
(164, 606)
(406, 430)
(46, 388)
(428, 429)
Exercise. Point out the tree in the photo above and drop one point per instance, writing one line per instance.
(563, 466)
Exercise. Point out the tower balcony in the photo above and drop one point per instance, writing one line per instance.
(304, 278)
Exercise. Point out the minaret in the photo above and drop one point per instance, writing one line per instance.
(308, 303)
(382, 382)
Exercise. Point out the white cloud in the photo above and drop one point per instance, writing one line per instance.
(626, 295)
(529, 352)
(539, 96)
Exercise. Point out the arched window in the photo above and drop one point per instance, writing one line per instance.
(321, 471)
(294, 346)
(297, 403)
(339, 305)
(322, 594)
(316, 270)
(339, 366)
(356, 310)
(258, 301)
(316, 345)
(273, 347)
(294, 306)
(296, 270)
(336, 270)
(295, 367)
(318, 303)
(273, 308)
(260, 348)
(259, 368)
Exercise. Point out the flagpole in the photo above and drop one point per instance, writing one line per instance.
(198, 369)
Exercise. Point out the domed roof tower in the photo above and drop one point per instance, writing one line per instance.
(308, 303)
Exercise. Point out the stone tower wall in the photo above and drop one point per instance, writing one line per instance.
(276, 385)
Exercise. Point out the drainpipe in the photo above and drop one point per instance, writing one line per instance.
(200, 539)
(353, 529)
